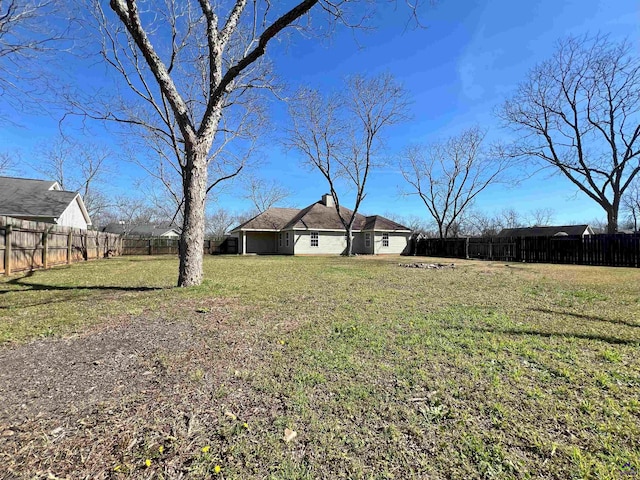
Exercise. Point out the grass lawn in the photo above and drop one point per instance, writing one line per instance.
(487, 370)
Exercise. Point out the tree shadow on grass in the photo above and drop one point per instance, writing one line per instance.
(28, 286)
(567, 335)
(592, 318)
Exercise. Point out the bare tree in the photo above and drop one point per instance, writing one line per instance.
(78, 167)
(129, 211)
(510, 218)
(631, 204)
(219, 222)
(579, 113)
(192, 63)
(449, 175)
(265, 194)
(340, 135)
(541, 217)
(30, 32)
(7, 163)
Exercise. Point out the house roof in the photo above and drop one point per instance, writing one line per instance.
(271, 219)
(142, 229)
(25, 197)
(316, 216)
(549, 231)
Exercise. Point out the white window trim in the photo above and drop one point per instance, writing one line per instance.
(385, 240)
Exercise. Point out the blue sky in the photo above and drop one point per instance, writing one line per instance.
(457, 70)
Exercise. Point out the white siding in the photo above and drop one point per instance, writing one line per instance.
(329, 243)
(73, 217)
(397, 243)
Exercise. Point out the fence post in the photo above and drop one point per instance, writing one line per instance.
(69, 246)
(45, 247)
(7, 250)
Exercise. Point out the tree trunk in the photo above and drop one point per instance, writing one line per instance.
(612, 220)
(349, 250)
(192, 238)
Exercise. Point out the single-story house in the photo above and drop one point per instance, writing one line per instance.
(160, 229)
(550, 231)
(317, 230)
(42, 201)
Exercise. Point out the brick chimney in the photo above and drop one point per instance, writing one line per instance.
(327, 199)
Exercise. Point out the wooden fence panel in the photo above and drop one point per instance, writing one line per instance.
(171, 246)
(34, 245)
(619, 250)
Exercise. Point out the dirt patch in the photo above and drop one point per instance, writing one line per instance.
(104, 403)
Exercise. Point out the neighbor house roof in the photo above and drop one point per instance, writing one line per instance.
(26, 197)
(316, 216)
(157, 229)
(549, 231)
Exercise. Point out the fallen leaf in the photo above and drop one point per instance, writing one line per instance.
(289, 435)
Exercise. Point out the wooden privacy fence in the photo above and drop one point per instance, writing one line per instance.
(26, 245)
(170, 246)
(618, 250)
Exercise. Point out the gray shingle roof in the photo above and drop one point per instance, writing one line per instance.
(271, 219)
(315, 216)
(32, 198)
(548, 231)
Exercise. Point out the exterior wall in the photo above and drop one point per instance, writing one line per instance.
(284, 249)
(364, 249)
(73, 217)
(261, 242)
(358, 243)
(397, 243)
(329, 243)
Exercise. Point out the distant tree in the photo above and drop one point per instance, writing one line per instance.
(130, 211)
(340, 135)
(7, 164)
(579, 113)
(413, 222)
(77, 167)
(541, 217)
(220, 221)
(631, 204)
(265, 194)
(448, 176)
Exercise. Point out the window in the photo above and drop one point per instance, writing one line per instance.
(280, 240)
(385, 239)
(367, 240)
(286, 239)
(315, 241)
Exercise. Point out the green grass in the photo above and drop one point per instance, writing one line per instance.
(484, 371)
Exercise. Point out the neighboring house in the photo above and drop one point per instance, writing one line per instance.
(566, 230)
(317, 230)
(159, 229)
(42, 201)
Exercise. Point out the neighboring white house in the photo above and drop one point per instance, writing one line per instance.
(317, 230)
(42, 201)
(158, 229)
